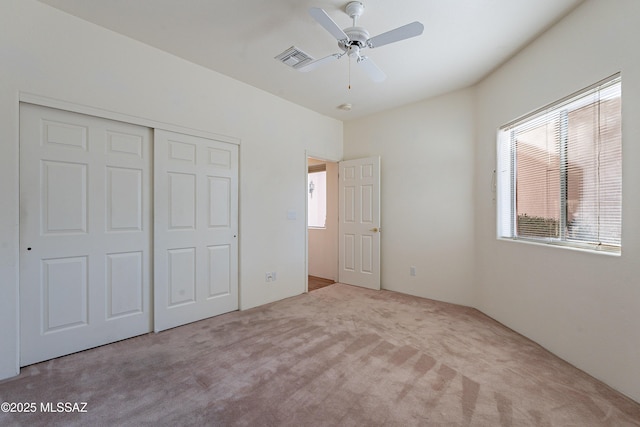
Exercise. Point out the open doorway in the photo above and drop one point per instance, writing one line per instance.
(322, 223)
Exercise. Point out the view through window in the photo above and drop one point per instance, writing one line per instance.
(560, 172)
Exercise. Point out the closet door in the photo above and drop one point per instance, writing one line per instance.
(196, 228)
(85, 232)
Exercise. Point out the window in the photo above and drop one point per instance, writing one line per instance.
(317, 196)
(559, 172)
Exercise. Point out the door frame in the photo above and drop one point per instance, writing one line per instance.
(308, 154)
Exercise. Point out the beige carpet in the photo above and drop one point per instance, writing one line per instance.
(339, 356)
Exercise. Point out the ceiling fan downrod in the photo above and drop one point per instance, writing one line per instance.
(354, 9)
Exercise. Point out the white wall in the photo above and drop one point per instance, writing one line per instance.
(323, 242)
(584, 307)
(427, 208)
(51, 54)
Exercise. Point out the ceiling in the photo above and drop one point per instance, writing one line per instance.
(463, 41)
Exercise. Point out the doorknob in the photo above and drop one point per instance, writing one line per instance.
(375, 229)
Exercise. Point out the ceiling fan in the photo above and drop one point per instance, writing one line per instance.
(354, 39)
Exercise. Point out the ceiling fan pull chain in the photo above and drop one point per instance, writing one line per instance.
(349, 59)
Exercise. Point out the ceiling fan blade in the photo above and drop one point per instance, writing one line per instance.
(400, 33)
(318, 62)
(323, 19)
(375, 73)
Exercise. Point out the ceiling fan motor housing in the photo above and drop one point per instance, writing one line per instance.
(358, 36)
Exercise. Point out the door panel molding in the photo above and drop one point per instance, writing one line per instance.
(359, 222)
(85, 232)
(196, 228)
(103, 169)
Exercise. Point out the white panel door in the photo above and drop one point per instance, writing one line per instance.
(359, 222)
(196, 228)
(85, 232)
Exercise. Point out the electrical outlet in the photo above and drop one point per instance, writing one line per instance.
(268, 277)
(412, 271)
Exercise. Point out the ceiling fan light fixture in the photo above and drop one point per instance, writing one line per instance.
(345, 107)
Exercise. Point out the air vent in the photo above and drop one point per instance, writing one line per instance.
(294, 57)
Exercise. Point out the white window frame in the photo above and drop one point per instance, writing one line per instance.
(506, 172)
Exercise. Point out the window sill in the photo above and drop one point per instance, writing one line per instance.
(562, 245)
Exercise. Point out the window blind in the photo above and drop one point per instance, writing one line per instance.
(560, 171)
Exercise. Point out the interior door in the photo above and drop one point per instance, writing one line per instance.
(359, 222)
(85, 232)
(196, 228)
